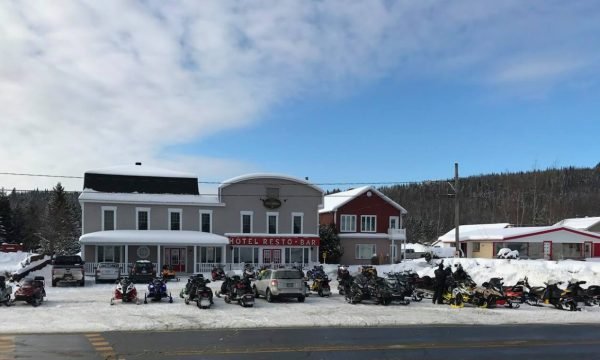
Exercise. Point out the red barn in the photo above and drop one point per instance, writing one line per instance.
(368, 223)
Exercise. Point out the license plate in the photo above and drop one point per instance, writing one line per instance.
(290, 285)
(204, 302)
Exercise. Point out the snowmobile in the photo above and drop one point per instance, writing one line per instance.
(369, 271)
(320, 285)
(238, 289)
(344, 278)
(217, 273)
(317, 271)
(31, 290)
(574, 296)
(204, 295)
(515, 293)
(502, 299)
(593, 292)
(534, 295)
(552, 294)
(125, 291)
(363, 288)
(401, 289)
(191, 284)
(5, 292)
(157, 290)
(168, 273)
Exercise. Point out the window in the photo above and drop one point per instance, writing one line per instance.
(109, 218)
(246, 255)
(206, 221)
(297, 256)
(297, 223)
(109, 253)
(476, 246)
(272, 193)
(142, 218)
(175, 219)
(246, 221)
(348, 223)
(209, 254)
(365, 251)
(394, 222)
(272, 222)
(368, 223)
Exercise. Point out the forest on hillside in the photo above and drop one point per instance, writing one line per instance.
(533, 198)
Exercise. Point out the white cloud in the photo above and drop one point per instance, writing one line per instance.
(98, 83)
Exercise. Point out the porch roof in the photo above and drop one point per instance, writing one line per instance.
(152, 237)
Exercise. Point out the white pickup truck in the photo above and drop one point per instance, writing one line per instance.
(68, 269)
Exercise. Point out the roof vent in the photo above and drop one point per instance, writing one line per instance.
(138, 163)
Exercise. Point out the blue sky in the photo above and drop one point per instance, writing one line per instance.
(370, 91)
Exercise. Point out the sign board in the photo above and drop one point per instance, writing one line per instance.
(274, 241)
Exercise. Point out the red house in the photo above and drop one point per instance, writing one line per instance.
(368, 223)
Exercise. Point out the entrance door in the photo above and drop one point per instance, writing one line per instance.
(272, 256)
(548, 250)
(175, 258)
(587, 249)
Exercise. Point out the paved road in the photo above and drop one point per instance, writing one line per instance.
(410, 342)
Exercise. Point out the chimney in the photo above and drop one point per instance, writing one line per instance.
(138, 163)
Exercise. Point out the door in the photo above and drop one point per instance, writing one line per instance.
(272, 256)
(587, 249)
(175, 258)
(596, 250)
(547, 250)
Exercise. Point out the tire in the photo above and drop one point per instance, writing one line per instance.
(255, 291)
(227, 299)
(54, 283)
(458, 300)
(417, 297)
(97, 281)
(186, 300)
(320, 292)
(269, 296)
(301, 298)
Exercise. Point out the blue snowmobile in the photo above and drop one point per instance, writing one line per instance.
(157, 290)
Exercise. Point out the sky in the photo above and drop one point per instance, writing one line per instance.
(337, 91)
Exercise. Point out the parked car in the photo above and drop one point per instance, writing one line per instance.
(280, 283)
(108, 271)
(142, 271)
(68, 268)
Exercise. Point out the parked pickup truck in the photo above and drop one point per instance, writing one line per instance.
(68, 269)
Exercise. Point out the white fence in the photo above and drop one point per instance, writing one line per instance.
(90, 267)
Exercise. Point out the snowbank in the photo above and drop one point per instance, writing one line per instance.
(10, 262)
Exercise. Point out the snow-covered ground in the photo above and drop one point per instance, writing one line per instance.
(75, 309)
(10, 262)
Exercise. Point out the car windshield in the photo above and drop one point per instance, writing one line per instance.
(143, 266)
(288, 274)
(67, 260)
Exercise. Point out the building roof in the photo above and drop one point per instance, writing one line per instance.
(153, 237)
(579, 223)
(512, 233)
(140, 170)
(476, 228)
(335, 201)
(136, 198)
(256, 176)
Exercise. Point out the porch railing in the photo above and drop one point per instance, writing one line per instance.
(90, 268)
(207, 267)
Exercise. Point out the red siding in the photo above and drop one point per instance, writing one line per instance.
(326, 218)
(373, 205)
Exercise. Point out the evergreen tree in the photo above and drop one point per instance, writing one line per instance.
(5, 219)
(60, 235)
(330, 244)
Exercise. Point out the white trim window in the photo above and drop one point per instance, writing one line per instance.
(272, 222)
(394, 222)
(297, 222)
(175, 219)
(142, 218)
(246, 222)
(206, 221)
(109, 218)
(368, 223)
(347, 223)
(365, 251)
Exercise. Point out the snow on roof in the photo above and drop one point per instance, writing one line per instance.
(174, 199)
(140, 170)
(153, 237)
(267, 176)
(579, 223)
(479, 228)
(510, 233)
(335, 201)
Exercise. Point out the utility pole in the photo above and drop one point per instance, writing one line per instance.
(456, 211)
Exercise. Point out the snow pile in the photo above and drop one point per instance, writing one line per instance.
(10, 262)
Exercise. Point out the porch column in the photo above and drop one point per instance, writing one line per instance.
(96, 255)
(195, 259)
(126, 259)
(82, 252)
(224, 254)
(158, 268)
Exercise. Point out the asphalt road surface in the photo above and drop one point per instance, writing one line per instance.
(409, 342)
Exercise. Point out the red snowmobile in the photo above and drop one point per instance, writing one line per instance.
(125, 291)
(31, 290)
